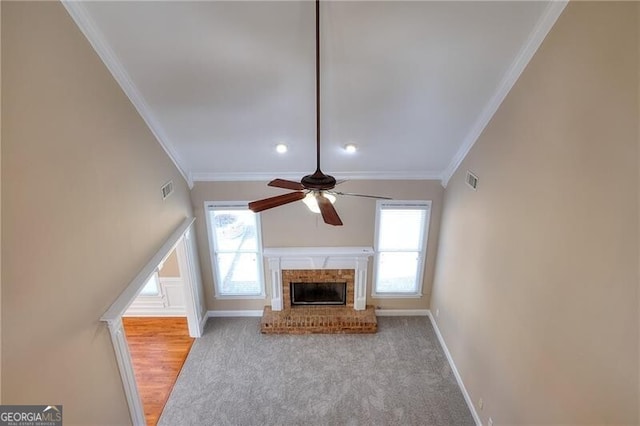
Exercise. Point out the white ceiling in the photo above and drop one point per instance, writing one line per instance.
(412, 84)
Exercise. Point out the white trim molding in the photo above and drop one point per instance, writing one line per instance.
(188, 264)
(237, 314)
(169, 302)
(423, 233)
(83, 20)
(535, 39)
(236, 207)
(402, 312)
(123, 357)
(260, 177)
(203, 321)
(182, 240)
(120, 305)
(285, 258)
(258, 313)
(456, 374)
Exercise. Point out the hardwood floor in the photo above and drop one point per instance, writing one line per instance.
(159, 347)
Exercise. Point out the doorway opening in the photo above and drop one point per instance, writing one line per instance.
(182, 240)
(157, 333)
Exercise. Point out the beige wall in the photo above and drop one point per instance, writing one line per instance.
(0, 203)
(170, 267)
(82, 213)
(537, 273)
(293, 225)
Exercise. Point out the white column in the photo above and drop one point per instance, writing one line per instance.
(187, 267)
(360, 288)
(276, 284)
(123, 357)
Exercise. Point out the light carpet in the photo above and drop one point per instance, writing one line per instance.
(234, 375)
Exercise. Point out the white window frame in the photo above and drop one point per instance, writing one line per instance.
(233, 205)
(402, 204)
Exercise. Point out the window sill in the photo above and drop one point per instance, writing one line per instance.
(396, 295)
(240, 297)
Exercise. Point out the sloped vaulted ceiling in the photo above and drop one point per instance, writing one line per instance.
(220, 83)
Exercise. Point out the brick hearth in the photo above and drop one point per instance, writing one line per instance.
(314, 320)
(318, 319)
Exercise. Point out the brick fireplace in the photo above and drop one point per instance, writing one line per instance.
(315, 266)
(316, 276)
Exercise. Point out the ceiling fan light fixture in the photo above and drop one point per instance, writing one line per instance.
(312, 203)
(281, 148)
(316, 189)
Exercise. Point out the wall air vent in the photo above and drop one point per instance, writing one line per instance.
(472, 180)
(167, 189)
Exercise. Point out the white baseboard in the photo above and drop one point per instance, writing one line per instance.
(203, 322)
(467, 398)
(243, 313)
(151, 313)
(379, 312)
(402, 312)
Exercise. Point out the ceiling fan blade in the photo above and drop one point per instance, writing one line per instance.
(362, 195)
(269, 203)
(329, 213)
(286, 184)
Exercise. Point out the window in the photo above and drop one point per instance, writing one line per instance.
(236, 250)
(152, 287)
(402, 229)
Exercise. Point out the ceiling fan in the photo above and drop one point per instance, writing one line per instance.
(317, 189)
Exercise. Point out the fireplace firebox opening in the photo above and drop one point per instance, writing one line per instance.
(305, 293)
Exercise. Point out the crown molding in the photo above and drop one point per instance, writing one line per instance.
(267, 176)
(83, 20)
(393, 175)
(535, 39)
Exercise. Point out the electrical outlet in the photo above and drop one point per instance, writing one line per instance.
(480, 404)
(490, 422)
(437, 313)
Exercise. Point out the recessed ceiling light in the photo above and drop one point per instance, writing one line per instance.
(281, 148)
(350, 148)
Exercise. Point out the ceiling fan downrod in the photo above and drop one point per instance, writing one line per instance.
(318, 180)
(316, 189)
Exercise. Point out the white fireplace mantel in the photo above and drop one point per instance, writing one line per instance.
(318, 258)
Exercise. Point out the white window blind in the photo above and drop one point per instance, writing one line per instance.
(402, 229)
